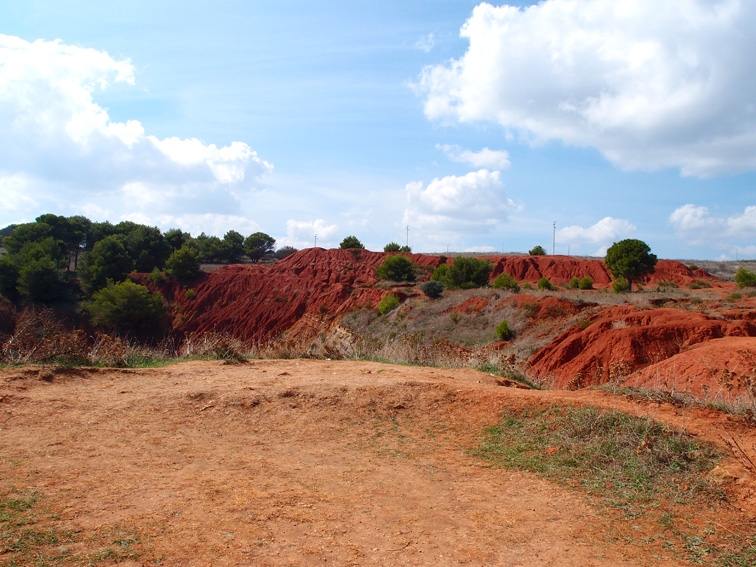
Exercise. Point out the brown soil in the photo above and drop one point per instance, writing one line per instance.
(304, 462)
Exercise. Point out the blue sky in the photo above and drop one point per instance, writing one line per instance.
(479, 126)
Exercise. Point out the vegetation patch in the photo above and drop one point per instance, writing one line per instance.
(636, 465)
(29, 536)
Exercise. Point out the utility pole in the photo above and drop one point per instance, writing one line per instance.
(407, 236)
(553, 239)
(316, 241)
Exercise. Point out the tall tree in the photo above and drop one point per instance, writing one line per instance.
(630, 259)
(258, 245)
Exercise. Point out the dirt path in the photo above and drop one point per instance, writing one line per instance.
(299, 463)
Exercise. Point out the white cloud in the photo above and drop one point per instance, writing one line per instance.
(493, 159)
(448, 207)
(697, 225)
(54, 135)
(603, 233)
(649, 84)
(425, 43)
(301, 234)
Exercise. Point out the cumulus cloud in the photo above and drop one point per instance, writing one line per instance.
(649, 84)
(602, 234)
(493, 159)
(301, 234)
(471, 204)
(697, 225)
(54, 133)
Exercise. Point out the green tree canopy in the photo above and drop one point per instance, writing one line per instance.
(183, 265)
(128, 308)
(108, 260)
(392, 247)
(537, 251)
(397, 268)
(351, 241)
(232, 247)
(258, 245)
(465, 273)
(630, 259)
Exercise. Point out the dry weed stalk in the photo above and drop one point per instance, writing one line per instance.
(738, 452)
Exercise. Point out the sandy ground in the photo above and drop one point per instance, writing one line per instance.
(304, 462)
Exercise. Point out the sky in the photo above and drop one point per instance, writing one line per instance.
(450, 125)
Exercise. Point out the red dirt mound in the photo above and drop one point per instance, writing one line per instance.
(719, 369)
(561, 269)
(472, 305)
(620, 340)
(303, 294)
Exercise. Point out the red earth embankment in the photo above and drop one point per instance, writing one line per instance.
(619, 340)
(561, 269)
(302, 294)
(719, 369)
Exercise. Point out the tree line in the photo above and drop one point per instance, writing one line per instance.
(58, 258)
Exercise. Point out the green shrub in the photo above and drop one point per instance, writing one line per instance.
(503, 331)
(693, 267)
(527, 285)
(544, 283)
(699, 284)
(745, 278)
(129, 308)
(464, 273)
(574, 283)
(351, 242)
(441, 274)
(392, 247)
(397, 268)
(506, 281)
(156, 276)
(620, 285)
(585, 283)
(190, 294)
(388, 303)
(183, 265)
(537, 251)
(432, 289)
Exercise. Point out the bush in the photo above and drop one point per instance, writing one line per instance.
(574, 283)
(190, 294)
(392, 247)
(527, 285)
(585, 283)
(351, 242)
(620, 285)
(129, 308)
(545, 284)
(503, 331)
(745, 278)
(537, 251)
(506, 281)
(388, 303)
(432, 289)
(156, 276)
(465, 273)
(699, 284)
(396, 268)
(183, 265)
